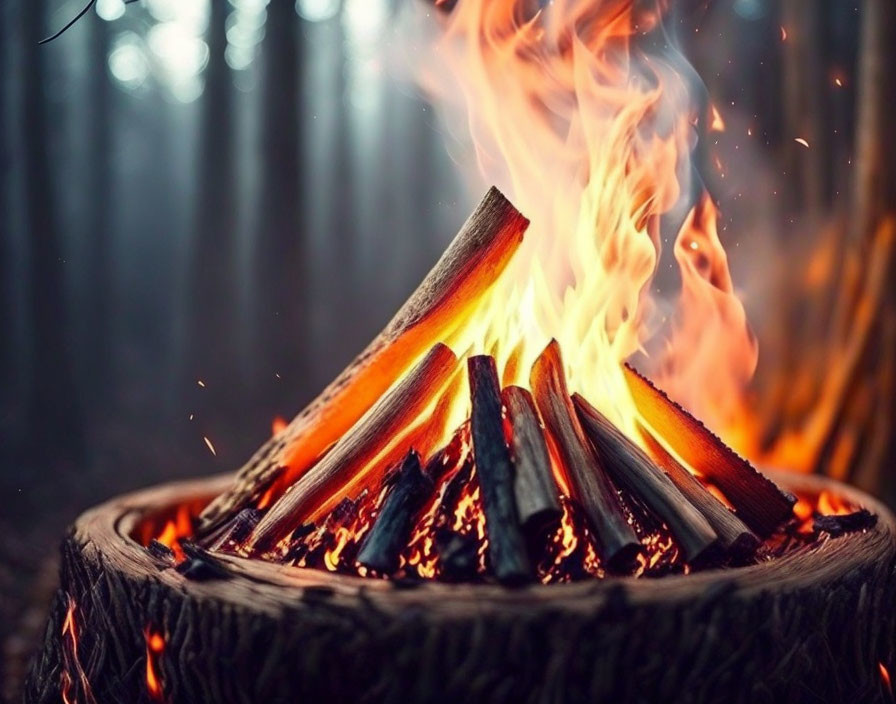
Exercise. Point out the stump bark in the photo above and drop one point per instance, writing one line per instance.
(815, 625)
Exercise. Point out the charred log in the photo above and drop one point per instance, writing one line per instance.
(838, 525)
(734, 536)
(587, 478)
(634, 470)
(534, 486)
(382, 546)
(506, 546)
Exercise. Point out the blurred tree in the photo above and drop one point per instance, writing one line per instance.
(95, 337)
(280, 310)
(54, 415)
(213, 280)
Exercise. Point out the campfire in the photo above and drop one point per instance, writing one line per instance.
(502, 434)
(534, 484)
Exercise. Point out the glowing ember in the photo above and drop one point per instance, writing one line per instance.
(717, 124)
(277, 425)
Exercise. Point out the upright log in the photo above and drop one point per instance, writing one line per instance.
(389, 535)
(761, 504)
(734, 536)
(467, 269)
(534, 486)
(630, 466)
(587, 479)
(506, 547)
(361, 444)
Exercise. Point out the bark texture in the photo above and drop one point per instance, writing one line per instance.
(812, 626)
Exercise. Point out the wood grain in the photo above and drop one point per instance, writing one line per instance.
(469, 267)
(372, 434)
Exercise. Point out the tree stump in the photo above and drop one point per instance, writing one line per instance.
(815, 625)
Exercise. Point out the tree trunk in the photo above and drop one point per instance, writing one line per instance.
(53, 402)
(812, 626)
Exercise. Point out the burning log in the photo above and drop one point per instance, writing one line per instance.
(506, 547)
(389, 535)
(835, 526)
(237, 530)
(467, 269)
(734, 536)
(587, 478)
(534, 486)
(366, 439)
(633, 469)
(761, 504)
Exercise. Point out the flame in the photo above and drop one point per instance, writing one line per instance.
(72, 667)
(717, 124)
(587, 127)
(582, 114)
(885, 675)
(711, 357)
(332, 555)
(176, 528)
(278, 424)
(816, 413)
(155, 646)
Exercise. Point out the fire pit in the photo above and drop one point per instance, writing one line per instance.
(814, 624)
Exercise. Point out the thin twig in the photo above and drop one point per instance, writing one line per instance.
(84, 11)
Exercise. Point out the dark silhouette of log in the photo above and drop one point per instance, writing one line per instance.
(812, 625)
(534, 486)
(362, 443)
(586, 477)
(757, 501)
(390, 532)
(468, 268)
(632, 469)
(838, 525)
(494, 469)
(734, 536)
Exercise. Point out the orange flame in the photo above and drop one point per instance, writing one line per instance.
(278, 424)
(588, 129)
(176, 528)
(155, 646)
(71, 660)
(717, 124)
